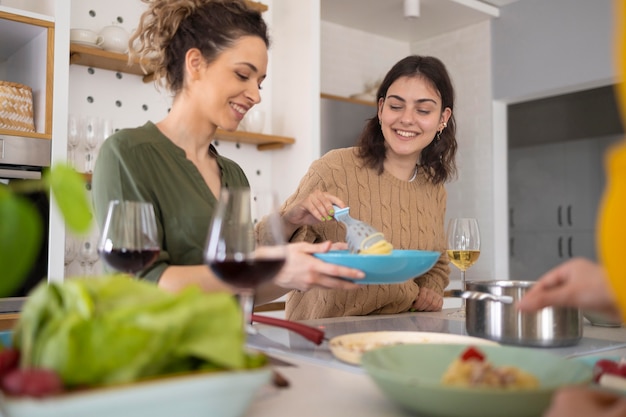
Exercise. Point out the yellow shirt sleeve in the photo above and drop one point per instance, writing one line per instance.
(612, 220)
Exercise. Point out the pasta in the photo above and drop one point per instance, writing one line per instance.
(476, 372)
(382, 247)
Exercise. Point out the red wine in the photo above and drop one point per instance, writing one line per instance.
(246, 274)
(130, 261)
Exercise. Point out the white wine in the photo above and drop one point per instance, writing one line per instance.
(463, 259)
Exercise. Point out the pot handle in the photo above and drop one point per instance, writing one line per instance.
(477, 295)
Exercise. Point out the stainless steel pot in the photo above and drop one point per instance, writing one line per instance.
(549, 327)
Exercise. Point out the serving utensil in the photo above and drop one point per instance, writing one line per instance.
(359, 235)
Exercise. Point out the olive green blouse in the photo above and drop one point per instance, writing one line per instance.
(142, 164)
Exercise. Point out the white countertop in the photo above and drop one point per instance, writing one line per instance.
(323, 386)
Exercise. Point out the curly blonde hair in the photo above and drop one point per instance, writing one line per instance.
(169, 28)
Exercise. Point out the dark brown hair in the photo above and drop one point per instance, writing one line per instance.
(169, 28)
(437, 159)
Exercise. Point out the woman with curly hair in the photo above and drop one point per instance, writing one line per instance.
(212, 56)
(393, 179)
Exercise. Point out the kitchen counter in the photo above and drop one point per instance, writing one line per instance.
(321, 385)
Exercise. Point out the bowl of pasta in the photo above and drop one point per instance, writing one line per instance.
(391, 268)
(455, 380)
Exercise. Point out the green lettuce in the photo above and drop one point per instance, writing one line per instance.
(116, 329)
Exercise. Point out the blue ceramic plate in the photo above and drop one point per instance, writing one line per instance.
(398, 266)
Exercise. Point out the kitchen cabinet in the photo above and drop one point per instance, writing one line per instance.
(555, 186)
(554, 193)
(27, 57)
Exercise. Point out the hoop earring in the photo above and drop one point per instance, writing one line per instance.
(439, 135)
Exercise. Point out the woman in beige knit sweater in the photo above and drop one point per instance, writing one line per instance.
(394, 180)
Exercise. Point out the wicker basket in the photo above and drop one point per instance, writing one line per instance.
(16, 107)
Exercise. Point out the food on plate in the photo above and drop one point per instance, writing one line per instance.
(382, 247)
(114, 329)
(472, 370)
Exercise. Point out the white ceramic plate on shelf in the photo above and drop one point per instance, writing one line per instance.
(224, 394)
(349, 347)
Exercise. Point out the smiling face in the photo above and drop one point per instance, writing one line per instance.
(225, 89)
(411, 115)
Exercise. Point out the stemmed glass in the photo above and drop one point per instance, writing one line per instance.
(463, 249)
(88, 255)
(71, 250)
(92, 132)
(73, 137)
(129, 241)
(232, 251)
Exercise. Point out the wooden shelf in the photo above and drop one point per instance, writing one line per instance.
(36, 135)
(257, 5)
(98, 58)
(348, 99)
(262, 142)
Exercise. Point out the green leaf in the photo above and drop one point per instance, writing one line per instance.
(117, 329)
(68, 189)
(20, 239)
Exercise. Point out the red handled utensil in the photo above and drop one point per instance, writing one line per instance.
(310, 333)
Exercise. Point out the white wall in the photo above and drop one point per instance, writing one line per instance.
(543, 48)
(350, 59)
(295, 74)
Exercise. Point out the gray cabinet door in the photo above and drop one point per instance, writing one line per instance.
(583, 183)
(536, 191)
(533, 253)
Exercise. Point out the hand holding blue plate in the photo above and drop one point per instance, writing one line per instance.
(396, 267)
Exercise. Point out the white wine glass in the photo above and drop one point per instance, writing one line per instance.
(232, 251)
(463, 249)
(129, 241)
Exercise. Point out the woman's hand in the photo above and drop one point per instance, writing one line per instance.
(575, 283)
(302, 271)
(427, 300)
(317, 207)
(583, 402)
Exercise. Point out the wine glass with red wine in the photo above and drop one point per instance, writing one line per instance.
(129, 241)
(238, 256)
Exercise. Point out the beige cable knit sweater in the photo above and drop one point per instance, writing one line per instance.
(409, 214)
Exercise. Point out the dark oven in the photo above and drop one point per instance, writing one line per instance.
(23, 159)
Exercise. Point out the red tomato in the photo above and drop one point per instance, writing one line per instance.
(472, 353)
